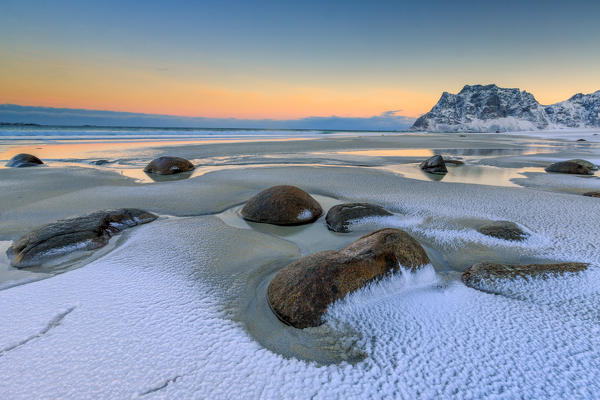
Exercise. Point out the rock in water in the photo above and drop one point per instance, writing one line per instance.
(300, 293)
(578, 167)
(24, 160)
(168, 165)
(100, 162)
(338, 217)
(282, 205)
(585, 163)
(434, 165)
(503, 230)
(480, 276)
(87, 232)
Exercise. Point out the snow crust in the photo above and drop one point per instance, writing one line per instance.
(305, 215)
(145, 322)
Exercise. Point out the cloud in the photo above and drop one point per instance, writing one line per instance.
(389, 120)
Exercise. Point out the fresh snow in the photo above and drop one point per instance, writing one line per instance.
(147, 322)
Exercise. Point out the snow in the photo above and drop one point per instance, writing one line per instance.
(305, 215)
(146, 322)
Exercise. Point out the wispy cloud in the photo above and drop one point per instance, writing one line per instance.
(388, 120)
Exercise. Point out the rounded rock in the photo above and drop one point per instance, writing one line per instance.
(577, 167)
(300, 293)
(434, 165)
(282, 205)
(503, 230)
(339, 216)
(24, 160)
(167, 165)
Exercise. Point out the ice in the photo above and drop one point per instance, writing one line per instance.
(305, 215)
(154, 320)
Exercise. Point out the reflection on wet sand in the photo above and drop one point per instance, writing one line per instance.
(475, 174)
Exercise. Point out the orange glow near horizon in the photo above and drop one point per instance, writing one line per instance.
(51, 82)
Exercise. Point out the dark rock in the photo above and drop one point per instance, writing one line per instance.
(585, 163)
(479, 275)
(434, 165)
(168, 165)
(578, 167)
(282, 205)
(503, 230)
(581, 140)
(87, 232)
(453, 161)
(301, 292)
(100, 162)
(592, 194)
(24, 160)
(338, 217)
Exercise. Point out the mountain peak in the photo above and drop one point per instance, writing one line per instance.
(492, 108)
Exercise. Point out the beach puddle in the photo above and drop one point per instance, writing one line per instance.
(473, 174)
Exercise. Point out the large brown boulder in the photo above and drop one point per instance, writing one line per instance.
(300, 293)
(481, 276)
(503, 230)
(87, 232)
(339, 216)
(434, 165)
(168, 165)
(24, 160)
(576, 166)
(282, 205)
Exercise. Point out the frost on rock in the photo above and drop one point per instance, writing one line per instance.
(305, 215)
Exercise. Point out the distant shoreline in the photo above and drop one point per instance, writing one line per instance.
(174, 128)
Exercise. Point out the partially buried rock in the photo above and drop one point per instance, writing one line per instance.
(100, 162)
(340, 216)
(24, 160)
(282, 205)
(87, 232)
(577, 166)
(503, 230)
(481, 276)
(168, 165)
(301, 292)
(592, 194)
(434, 165)
(453, 161)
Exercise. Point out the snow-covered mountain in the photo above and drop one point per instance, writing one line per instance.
(580, 111)
(489, 108)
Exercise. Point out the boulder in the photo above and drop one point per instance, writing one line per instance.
(585, 163)
(480, 276)
(434, 165)
(300, 293)
(86, 232)
(24, 160)
(168, 165)
(100, 162)
(338, 217)
(282, 205)
(581, 140)
(592, 194)
(453, 161)
(503, 230)
(578, 167)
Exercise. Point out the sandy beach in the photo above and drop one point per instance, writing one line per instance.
(178, 306)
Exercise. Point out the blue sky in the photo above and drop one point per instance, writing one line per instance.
(290, 60)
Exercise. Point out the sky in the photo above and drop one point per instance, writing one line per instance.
(290, 60)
